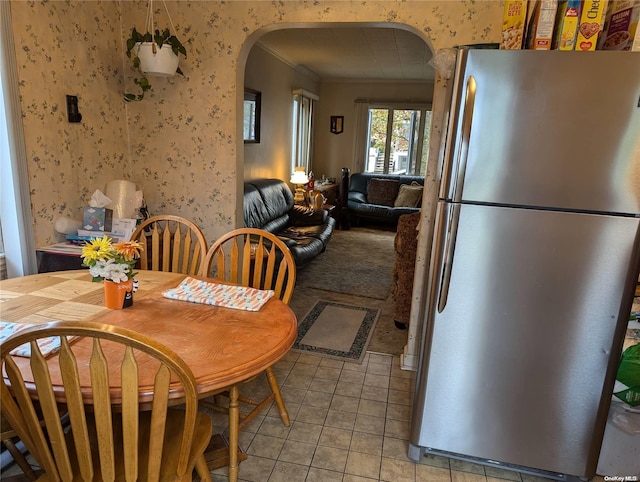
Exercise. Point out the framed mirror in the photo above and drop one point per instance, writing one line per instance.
(252, 101)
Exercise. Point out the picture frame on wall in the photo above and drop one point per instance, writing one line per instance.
(252, 112)
(337, 124)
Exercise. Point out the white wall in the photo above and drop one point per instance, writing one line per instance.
(275, 79)
(332, 152)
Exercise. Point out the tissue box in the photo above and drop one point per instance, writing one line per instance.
(97, 219)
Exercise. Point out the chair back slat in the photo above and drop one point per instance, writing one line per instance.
(24, 405)
(158, 422)
(255, 258)
(87, 451)
(98, 366)
(177, 244)
(130, 412)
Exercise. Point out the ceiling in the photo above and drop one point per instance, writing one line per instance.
(371, 53)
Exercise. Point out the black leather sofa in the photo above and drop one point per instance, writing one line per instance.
(361, 206)
(268, 205)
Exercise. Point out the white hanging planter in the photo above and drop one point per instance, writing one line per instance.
(162, 63)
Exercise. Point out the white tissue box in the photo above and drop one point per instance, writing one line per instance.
(97, 219)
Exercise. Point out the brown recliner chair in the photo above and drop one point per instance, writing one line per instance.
(405, 246)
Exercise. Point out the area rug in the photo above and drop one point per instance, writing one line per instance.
(357, 262)
(336, 330)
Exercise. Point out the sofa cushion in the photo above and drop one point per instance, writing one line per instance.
(382, 191)
(409, 195)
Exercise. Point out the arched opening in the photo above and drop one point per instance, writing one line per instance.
(347, 66)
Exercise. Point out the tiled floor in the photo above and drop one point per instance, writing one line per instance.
(349, 423)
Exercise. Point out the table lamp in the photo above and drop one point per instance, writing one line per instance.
(299, 178)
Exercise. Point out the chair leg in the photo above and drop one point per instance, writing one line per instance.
(273, 383)
(20, 460)
(202, 469)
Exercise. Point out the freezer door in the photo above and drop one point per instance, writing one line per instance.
(517, 356)
(547, 129)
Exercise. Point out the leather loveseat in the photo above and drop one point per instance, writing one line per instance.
(382, 197)
(268, 205)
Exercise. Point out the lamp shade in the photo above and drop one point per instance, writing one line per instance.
(299, 177)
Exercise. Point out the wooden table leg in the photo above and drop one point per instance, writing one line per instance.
(233, 433)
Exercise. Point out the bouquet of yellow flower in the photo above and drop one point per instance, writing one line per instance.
(112, 262)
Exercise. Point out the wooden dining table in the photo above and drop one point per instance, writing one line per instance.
(223, 346)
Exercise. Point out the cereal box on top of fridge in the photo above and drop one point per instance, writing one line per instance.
(590, 26)
(540, 30)
(621, 26)
(513, 24)
(566, 29)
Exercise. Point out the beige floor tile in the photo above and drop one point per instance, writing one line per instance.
(366, 443)
(400, 397)
(357, 478)
(331, 363)
(395, 448)
(348, 389)
(298, 381)
(375, 393)
(323, 385)
(328, 373)
(373, 408)
(309, 359)
(379, 369)
(292, 410)
(336, 437)
(293, 394)
(397, 428)
(466, 477)
(352, 377)
(356, 367)
(369, 424)
(429, 473)
(312, 415)
(321, 475)
(318, 399)
(380, 381)
(254, 469)
(273, 427)
(340, 419)
(329, 458)
(393, 470)
(305, 432)
(297, 452)
(265, 446)
(403, 384)
(288, 472)
(364, 465)
(381, 359)
(304, 369)
(345, 404)
(435, 461)
(398, 412)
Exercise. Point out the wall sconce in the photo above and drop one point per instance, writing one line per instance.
(299, 178)
(337, 124)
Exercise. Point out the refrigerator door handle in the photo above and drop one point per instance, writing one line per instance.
(449, 249)
(465, 135)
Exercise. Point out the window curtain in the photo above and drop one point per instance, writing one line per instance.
(360, 151)
(304, 103)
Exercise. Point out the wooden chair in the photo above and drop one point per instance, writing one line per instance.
(8, 436)
(171, 244)
(105, 441)
(258, 259)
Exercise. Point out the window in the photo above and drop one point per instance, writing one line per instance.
(302, 135)
(252, 107)
(397, 140)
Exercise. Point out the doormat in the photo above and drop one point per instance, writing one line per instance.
(336, 330)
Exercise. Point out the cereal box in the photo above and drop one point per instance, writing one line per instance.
(566, 28)
(621, 26)
(540, 30)
(590, 26)
(513, 24)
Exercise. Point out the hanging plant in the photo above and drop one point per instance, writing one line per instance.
(154, 54)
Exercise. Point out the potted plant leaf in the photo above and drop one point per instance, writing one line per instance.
(153, 54)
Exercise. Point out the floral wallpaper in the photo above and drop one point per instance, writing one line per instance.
(180, 145)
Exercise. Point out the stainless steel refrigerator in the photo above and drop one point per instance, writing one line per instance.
(535, 258)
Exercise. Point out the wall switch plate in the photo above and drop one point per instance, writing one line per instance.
(72, 109)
